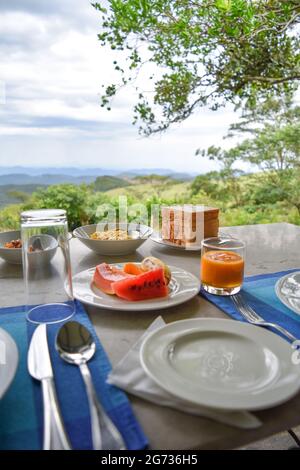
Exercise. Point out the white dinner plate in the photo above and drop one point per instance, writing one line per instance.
(223, 364)
(183, 286)
(156, 237)
(8, 360)
(282, 291)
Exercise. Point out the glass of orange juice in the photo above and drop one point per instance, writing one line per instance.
(222, 265)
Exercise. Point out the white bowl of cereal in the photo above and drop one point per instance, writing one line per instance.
(119, 239)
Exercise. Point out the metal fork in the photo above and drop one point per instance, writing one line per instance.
(252, 317)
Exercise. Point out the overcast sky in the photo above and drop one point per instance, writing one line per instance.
(52, 68)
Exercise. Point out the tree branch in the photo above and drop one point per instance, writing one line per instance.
(272, 80)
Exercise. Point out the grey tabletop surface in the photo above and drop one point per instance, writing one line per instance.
(270, 248)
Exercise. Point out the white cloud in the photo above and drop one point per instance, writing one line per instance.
(53, 67)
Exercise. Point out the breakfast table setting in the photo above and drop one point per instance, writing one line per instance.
(150, 344)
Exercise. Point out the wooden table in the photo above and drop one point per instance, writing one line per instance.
(270, 248)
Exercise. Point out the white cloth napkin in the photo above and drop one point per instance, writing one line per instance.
(129, 375)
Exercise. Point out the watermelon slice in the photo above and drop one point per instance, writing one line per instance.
(105, 275)
(149, 285)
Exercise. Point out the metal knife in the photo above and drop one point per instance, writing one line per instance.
(39, 366)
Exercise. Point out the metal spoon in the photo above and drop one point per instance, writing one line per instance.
(76, 346)
(82, 233)
(137, 234)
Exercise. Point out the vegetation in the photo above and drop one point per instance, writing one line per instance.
(273, 147)
(206, 52)
(203, 52)
(15, 193)
(269, 193)
(243, 199)
(105, 183)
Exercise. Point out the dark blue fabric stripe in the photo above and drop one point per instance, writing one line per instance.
(70, 390)
(276, 275)
(267, 305)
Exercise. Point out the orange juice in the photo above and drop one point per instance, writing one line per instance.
(222, 269)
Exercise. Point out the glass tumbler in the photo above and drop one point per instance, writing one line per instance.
(222, 265)
(47, 266)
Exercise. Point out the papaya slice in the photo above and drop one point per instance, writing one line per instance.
(105, 275)
(132, 268)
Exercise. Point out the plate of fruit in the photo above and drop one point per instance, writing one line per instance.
(148, 285)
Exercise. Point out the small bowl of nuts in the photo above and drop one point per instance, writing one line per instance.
(119, 239)
(42, 247)
(11, 247)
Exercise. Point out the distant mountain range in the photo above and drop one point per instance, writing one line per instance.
(43, 179)
(69, 171)
(17, 180)
(19, 175)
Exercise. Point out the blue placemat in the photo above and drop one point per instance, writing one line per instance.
(259, 292)
(21, 412)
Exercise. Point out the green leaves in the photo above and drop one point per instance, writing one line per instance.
(273, 147)
(208, 51)
(70, 197)
(223, 4)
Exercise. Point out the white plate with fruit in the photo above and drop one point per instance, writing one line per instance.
(149, 285)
